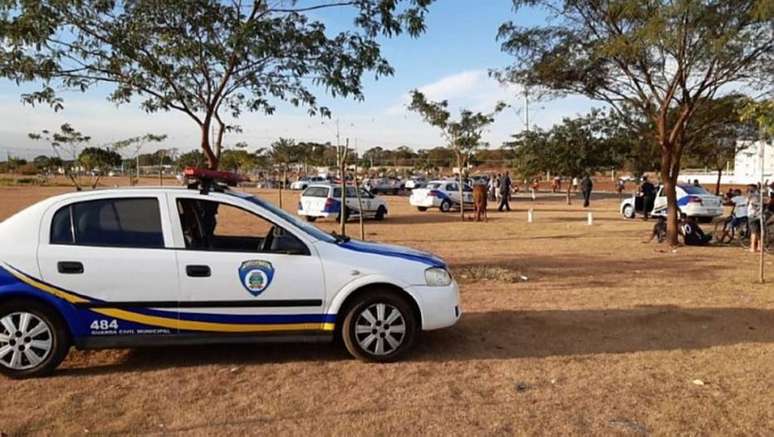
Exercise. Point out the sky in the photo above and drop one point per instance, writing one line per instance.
(450, 62)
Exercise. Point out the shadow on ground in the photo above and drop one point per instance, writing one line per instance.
(500, 335)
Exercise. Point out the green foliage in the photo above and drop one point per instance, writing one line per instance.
(464, 134)
(98, 159)
(574, 148)
(762, 114)
(194, 159)
(205, 58)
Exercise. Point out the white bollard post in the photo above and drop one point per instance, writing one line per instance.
(530, 217)
(532, 191)
(590, 220)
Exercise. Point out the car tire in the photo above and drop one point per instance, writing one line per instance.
(310, 218)
(628, 212)
(421, 208)
(446, 206)
(44, 336)
(380, 212)
(364, 333)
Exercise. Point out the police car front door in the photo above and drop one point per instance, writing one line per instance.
(239, 273)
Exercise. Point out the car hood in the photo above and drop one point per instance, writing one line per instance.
(395, 252)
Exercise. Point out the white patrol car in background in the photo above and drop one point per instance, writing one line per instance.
(443, 195)
(304, 182)
(324, 200)
(165, 266)
(693, 201)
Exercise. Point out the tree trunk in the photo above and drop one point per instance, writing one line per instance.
(717, 185)
(212, 160)
(282, 185)
(462, 200)
(669, 177)
(569, 190)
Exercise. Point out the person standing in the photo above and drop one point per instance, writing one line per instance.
(586, 186)
(493, 186)
(505, 192)
(648, 192)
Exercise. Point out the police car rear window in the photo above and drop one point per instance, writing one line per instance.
(316, 192)
(130, 222)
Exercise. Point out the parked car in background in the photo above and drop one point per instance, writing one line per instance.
(479, 180)
(305, 181)
(416, 182)
(384, 185)
(693, 201)
(443, 195)
(324, 200)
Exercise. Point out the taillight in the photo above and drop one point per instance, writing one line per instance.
(300, 206)
(329, 202)
(432, 194)
(694, 199)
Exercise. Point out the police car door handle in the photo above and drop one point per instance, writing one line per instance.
(198, 271)
(69, 267)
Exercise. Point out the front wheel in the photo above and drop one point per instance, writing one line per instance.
(380, 327)
(33, 340)
(628, 212)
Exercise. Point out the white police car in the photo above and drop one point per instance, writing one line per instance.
(442, 195)
(164, 266)
(693, 201)
(324, 200)
(304, 182)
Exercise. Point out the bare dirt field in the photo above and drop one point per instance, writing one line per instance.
(607, 335)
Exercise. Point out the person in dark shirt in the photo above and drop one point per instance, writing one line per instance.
(692, 233)
(505, 192)
(648, 192)
(586, 186)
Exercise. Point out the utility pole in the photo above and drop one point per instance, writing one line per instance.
(526, 107)
(357, 193)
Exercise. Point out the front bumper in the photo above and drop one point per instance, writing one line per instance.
(440, 306)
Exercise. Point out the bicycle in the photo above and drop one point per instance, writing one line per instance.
(726, 230)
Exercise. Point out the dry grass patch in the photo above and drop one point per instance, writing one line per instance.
(497, 273)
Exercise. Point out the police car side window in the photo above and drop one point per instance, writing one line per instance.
(129, 222)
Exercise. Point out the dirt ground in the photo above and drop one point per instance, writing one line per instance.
(606, 335)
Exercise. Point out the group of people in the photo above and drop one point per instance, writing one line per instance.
(746, 209)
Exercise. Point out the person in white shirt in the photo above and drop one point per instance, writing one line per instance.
(738, 214)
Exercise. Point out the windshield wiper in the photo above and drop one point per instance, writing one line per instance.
(340, 238)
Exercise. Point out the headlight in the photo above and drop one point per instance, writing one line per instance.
(437, 277)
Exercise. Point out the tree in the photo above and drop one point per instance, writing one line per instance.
(717, 145)
(67, 142)
(282, 154)
(239, 159)
(133, 146)
(205, 58)
(665, 59)
(96, 161)
(193, 159)
(463, 136)
(574, 148)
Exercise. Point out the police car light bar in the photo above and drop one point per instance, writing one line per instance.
(206, 180)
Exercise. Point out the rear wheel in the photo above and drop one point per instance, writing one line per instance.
(421, 208)
(381, 327)
(628, 211)
(33, 339)
(380, 212)
(446, 206)
(311, 218)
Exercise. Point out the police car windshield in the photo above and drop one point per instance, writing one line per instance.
(306, 227)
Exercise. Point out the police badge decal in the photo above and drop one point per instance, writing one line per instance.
(256, 276)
